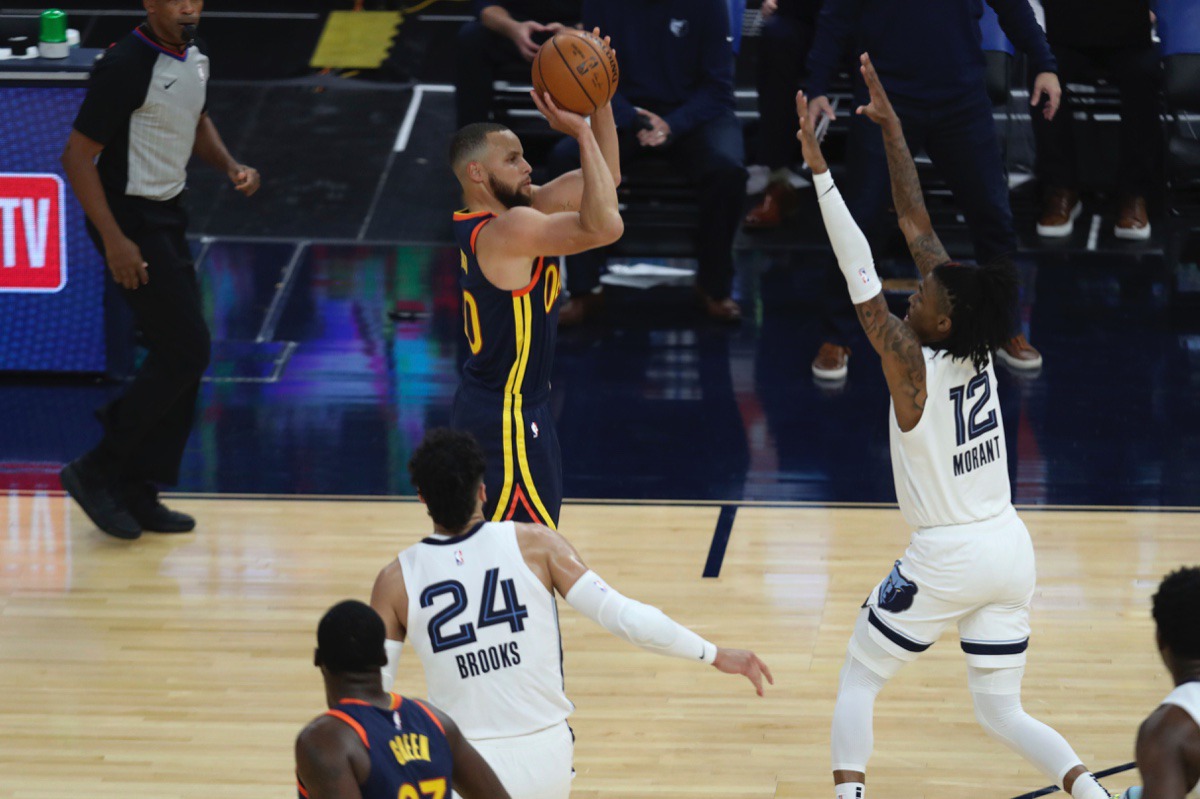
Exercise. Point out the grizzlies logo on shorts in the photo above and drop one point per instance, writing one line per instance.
(897, 592)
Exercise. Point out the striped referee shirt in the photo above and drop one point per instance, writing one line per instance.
(143, 104)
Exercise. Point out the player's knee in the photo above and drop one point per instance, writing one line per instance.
(997, 713)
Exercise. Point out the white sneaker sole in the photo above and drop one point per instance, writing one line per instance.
(832, 374)
(1017, 363)
(1065, 229)
(1132, 233)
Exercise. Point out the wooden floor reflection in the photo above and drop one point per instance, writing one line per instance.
(181, 666)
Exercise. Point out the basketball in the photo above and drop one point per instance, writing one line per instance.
(578, 70)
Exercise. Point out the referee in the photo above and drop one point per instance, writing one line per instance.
(143, 117)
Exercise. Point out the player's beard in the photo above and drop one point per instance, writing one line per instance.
(509, 197)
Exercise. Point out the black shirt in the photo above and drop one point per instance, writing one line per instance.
(143, 104)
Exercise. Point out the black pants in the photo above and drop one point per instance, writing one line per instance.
(960, 138)
(147, 427)
(1137, 72)
(783, 49)
(712, 156)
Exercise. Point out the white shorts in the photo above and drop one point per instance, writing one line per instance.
(980, 576)
(534, 766)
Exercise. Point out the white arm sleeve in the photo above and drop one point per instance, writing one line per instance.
(639, 624)
(849, 244)
(393, 649)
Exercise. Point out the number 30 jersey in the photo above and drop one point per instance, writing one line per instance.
(486, 630)
(952, 468)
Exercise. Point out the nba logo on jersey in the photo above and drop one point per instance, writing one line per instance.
(396, 720)
(534, 428)
(863, 276)
(458, 557)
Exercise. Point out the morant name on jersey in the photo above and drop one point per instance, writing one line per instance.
(952, 467)
(979, 455)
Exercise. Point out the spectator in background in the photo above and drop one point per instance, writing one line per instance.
(1110, 39)
(787, 35)
(929, 58)
(506, 33)
(676, 97)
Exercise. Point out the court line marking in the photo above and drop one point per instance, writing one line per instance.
(281, 361)
(700, 503)
(1108, 772)
(410, 116)
(267, 331)
(720, 540)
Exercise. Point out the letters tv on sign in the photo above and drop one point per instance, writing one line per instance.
(52, 280)
(32, 233)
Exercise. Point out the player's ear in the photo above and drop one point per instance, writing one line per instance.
(421, 498)
(317, 658)
(482, 493)
(475, 171)
(943, 325)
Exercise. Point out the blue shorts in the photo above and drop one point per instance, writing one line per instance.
(524, 465)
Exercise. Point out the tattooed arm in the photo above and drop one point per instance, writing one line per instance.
(903, 360)
(896, 343)
(923, 243)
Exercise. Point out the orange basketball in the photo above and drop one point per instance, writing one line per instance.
(578, 70)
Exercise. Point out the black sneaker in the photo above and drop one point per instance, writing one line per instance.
(154, 516)
(99, 503)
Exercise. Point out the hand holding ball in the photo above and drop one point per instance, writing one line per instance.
(578, 70)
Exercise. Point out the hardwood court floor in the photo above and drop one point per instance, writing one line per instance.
(181, 666)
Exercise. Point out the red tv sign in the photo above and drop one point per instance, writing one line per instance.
(33, 233)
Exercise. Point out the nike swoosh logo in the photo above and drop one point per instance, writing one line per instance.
(169, 85)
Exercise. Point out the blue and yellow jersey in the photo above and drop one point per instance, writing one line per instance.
(410, 756)
(511, 334)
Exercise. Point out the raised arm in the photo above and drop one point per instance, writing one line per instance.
(553, 558)
(923, 243)
(898, 347)
(508, 242)
(565, 193)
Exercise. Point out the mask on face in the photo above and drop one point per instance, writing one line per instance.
(189, 33)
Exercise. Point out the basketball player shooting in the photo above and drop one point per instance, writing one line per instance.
(970, 560)
(510, 236)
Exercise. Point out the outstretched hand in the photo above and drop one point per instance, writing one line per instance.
(560, 119)
(879, 110)
(745, 662)
(809, 146)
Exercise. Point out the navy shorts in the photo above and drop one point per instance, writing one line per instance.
(524, 465)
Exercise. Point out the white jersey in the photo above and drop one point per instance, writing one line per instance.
(952, 468)
(486, 630)
(1187, 697)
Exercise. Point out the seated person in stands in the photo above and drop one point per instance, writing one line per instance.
(787, 34)
(505, 33)
(675, 97)
(1110, 40)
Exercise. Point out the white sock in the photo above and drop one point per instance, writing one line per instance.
(850, 790)
(1086, 786)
